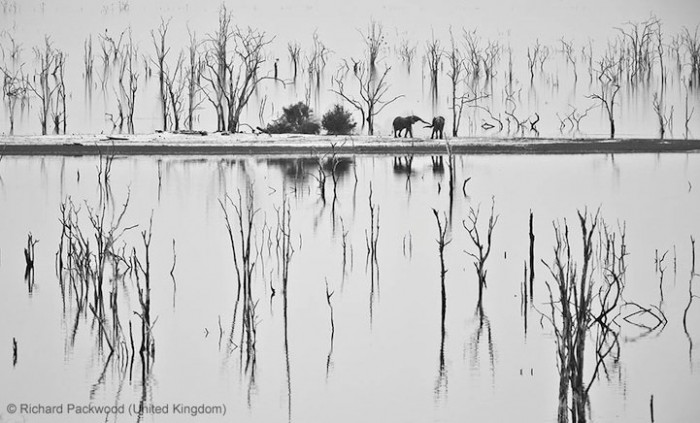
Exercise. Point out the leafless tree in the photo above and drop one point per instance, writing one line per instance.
(406, 53)
(483, 246)
(128, 84)
(567, 48)
(457, 71)
(638, 38)
(193, 80)
(692, 44)
(609, 88)
(48, 59)
(660, 51)
(58, 114)
(88, 58)
(233, 59)
(175, 82)
(433, 54)
(583, 309)
(14, 89)
(316, 62)
(472, 43)
(664, 119)
(375, 41)
(533, 57)
(372, 91)
(688, 113)
(294, 51)
(161, 52)
(372, 85)
(492, 54)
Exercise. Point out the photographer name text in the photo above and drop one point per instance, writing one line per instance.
(69, 409)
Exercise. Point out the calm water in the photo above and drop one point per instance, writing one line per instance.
(513, 26)
(385, 359)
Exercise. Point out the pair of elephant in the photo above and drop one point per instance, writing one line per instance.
(402, 123)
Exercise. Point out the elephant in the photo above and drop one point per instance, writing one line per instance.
(438, 125)
(405, 122)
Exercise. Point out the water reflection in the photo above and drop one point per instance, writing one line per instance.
(483, 330)
(292, 242)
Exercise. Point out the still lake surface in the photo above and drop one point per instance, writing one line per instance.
(384, 362)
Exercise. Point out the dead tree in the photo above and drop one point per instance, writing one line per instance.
(433, 54)
(128, 83)
(582, 309)
(456, 71)
(175, 85)
(688, 114)
(240, 229)
(161, 52)
(316, 63)
(472, 43)
(294, 51)
(533, 57)
(638, 38)
(692, 44)
(483, 247)
(442, 242)
(406, 53)
(233, 59)
(193, 80)
(567, 48)
(14, 89)
(663, 119)
(45, 90)
(372, 91)
(660, 52)
(375, 42)
(88, 59)
(609, 88)
(492, 54)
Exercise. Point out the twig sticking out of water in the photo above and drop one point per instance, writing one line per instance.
(660, 269)
(371, 240)
(330, 309)
(451, 171)
(14, 352)
(344, 238)
(147, 350)
(464, 186)
(691, 296)
(532, 257)
(29, 261)
(172, 273)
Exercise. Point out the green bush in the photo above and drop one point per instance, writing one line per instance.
(295, 119)
(338, 121)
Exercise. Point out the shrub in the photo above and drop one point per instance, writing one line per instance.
(338, 121)
(295, 119)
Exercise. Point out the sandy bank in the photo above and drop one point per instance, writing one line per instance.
(296, 145)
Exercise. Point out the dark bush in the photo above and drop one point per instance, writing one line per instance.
(295, 119)
(338, 121)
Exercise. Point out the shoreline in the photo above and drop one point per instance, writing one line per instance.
(166, 144)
